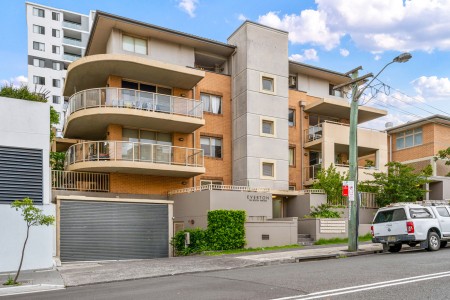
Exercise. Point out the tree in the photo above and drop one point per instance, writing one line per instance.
(54, 120)
(399, 184)
(330, 181)
(444, 154)
(57, 160)
(33, 216)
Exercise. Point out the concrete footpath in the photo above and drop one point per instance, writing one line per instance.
(32, 282)
(85, 273)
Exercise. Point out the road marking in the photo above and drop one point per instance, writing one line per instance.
(365, 287)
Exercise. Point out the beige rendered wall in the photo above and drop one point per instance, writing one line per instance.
(283, 232)
(192, 207)
(255, 204)
(301, 205)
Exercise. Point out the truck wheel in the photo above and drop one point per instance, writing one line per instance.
(434, 242)
(443, 244)
(395, 248)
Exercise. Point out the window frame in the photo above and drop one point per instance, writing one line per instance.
(210, 138)
(293, 116)
(58, 83)
(292, 165)
(134, 44)
(264, 119)
(39, 44)
(265, 76)
(56, 47)
(274, 168)
(37, 12)
(41, 63)
(403, 135)
(55, 16)
(38, 29)
(58, 99)
(56, 64)
(211, 182)
(294, 78)
(57, 31)
(210, 110)
(37, 80)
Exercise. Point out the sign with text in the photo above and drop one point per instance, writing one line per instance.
(348, 190)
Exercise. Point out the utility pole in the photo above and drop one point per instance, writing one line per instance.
(354, 202)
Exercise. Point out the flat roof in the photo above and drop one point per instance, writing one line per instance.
(257, 24)
(330, 75)
(105, 22)
(439, 119)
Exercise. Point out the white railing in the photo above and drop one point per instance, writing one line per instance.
(368, 200)
(134, 152)
(80, 181)
(311, 191)
(211, 187)
(71, 41)
(127, 98)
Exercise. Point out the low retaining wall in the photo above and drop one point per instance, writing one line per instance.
(328, 228)
(273, 232)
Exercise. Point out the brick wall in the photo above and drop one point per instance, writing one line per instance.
(426, 149)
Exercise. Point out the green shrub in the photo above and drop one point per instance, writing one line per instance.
(198, 241)
(226, 229)
(22, 92)
(323, 211)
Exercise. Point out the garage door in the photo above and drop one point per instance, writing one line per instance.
(93, 230)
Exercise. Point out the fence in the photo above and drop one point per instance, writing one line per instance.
(80, 181)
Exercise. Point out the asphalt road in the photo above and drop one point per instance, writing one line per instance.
(404, 275)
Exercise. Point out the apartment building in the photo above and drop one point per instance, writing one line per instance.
(56, 38)
(168, 125)
(416, 143)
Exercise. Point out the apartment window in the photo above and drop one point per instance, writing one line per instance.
(38, 29)
(212, 147)
(56, 66)
(292, 187)
(56, 83)
(55, 16)
(409, 138)
(133, 44)
(38, 12)
(268, 169)
(38, 46)
(38, 62)
(292, 157)
(267, 127)
(267, 84)
(55, 49)
(56, 99)
(292, 81)
(211, 103)
(211, 182)
(39, 80)
(291, 117)
(333, 92)
(55, 33)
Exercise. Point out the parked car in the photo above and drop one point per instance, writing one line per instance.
(411, 224)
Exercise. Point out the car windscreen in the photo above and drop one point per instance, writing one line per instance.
(420, 213)
(392, 215)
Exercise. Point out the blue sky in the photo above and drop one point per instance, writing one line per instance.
(333, 34)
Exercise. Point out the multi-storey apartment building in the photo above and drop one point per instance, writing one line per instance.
(56, 38)
(416, 143)
(165, 114)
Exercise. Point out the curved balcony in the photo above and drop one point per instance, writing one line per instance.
(90, 111)
(136, 158)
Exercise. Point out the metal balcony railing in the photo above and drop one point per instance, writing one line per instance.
(127, 98)
(134, 152)
(310, 172)
(80, 181)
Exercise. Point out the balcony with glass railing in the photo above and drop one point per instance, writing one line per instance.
(90, 111)
(72, 25)
(72, 41)
(134, 157)
(71, 57)
(310, 173)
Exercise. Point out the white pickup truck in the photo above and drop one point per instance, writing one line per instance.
(412, 224)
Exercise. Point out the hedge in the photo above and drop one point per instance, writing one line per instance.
(198, 241)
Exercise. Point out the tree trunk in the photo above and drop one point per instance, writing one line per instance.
(23, 253)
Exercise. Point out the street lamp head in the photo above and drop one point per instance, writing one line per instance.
(404, 57)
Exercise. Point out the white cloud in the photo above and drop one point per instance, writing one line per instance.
(395, 119)
(15, 81)
(432, 88)
(242, 17)
(188, 6)
(308, 27)
(374, 25)
(308, 54)
(344, 52)
(377, 57)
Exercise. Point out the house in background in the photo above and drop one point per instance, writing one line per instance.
(416, 143)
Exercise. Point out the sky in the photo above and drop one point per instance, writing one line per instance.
(333, 34)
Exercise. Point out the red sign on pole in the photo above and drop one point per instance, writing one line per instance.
(345, 190)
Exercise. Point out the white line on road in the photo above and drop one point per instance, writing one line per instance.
(365, 287)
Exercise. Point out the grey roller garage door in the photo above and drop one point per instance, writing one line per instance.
(112, 230)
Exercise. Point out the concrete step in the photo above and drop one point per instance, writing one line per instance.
(301, 235)
(305, 240)
(310, 243)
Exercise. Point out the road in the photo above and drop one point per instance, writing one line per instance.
(404, 275)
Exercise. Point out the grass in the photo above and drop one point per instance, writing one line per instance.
(244, 250)
(364, 238)
(10, 281)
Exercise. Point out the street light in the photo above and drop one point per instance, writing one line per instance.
(353, 148)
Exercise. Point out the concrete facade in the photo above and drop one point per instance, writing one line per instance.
(25, 124)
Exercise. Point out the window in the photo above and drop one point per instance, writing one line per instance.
(292, 81)
(420, 213)
(333, 92)
(133, 44)
(38, 62)
(55, 16)
(56, 83)
(291, 117)
(212, 147)
(443, 212)
(267, 127)
(55, 49)
(56, 66)
(211, 103)
(267, 84)
(38, 46)
(268, 169)
(55, 33)
(292, 157)
(390, 216)
(409, 138)
(211, 182)
(38, 12)
(56, 99)
(292, 187)
(38, 29)
(39, 80)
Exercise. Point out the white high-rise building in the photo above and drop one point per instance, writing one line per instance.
(56, 38)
